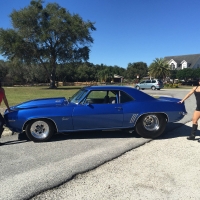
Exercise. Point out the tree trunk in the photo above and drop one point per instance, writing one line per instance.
(53, 77)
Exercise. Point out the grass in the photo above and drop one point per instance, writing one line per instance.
(16, 95)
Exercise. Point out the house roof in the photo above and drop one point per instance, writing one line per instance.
(117, 76)
(191, 59)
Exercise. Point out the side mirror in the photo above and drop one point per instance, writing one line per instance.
(88, 102)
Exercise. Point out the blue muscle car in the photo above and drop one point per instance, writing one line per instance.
(95, 108)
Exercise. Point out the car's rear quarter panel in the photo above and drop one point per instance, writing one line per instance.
(133, 110)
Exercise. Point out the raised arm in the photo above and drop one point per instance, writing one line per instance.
(188, 95)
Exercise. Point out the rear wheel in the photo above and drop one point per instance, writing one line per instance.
(40, 130)
(151, 125)
(153, 87)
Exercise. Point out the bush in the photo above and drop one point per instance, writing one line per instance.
(171, 85)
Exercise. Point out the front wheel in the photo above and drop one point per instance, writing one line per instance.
(137, 87)
(151, 125)
(40, 130)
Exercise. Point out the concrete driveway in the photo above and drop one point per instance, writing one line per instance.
(29, 168)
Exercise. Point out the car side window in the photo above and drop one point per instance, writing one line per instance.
(125, 97)
(97, 94)
(100, 97)
(149, 81)
(153, 81)
(142, 82)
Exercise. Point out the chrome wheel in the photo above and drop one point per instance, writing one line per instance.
(151, 123)
(39, 129)
(153, 87)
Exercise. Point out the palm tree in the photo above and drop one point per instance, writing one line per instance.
(159, 68)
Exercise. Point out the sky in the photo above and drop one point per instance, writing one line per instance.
(129, 31)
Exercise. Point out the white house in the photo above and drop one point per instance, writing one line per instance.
(184, 61)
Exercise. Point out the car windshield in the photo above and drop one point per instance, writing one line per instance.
(78, 96)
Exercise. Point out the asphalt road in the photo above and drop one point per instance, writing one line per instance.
(29, 168)
(163, 169)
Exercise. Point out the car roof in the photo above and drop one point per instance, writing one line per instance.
(136, 94)
(107, 87)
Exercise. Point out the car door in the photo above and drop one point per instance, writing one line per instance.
(148, 84)
(142, 84)
(97, 114)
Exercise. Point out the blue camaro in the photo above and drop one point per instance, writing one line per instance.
(95, 108)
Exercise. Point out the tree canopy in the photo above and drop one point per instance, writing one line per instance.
(46, 36)
(159, 68)
(138, 69)
(186, 73)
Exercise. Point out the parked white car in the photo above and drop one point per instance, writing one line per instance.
(153, 84)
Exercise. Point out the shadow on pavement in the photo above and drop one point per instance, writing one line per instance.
(170, 132)
(95, 135)
(88, 135)
(14, 142)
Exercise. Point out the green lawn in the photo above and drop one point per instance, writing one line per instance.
(16, 95)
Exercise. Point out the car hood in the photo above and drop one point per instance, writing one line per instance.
(45, 102)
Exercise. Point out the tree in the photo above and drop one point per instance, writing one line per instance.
(103, 74)
(47, 36)
(3, 69)
(84, 73)
(185, 74)
(138, 69)
(196, 73)
(173, 74)
(159, 68)
(66, 72)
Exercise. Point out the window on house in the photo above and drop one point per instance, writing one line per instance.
(172, 66)
(184, 65)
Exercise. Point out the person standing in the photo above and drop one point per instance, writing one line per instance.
(3, 97)
(196, 115)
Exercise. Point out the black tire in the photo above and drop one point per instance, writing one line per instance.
(153, 87)
(137, 87)
(151, 125)
(40, 130)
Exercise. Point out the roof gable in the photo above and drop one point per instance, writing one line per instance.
(192, 59)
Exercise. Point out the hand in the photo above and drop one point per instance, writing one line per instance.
(180, 102)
